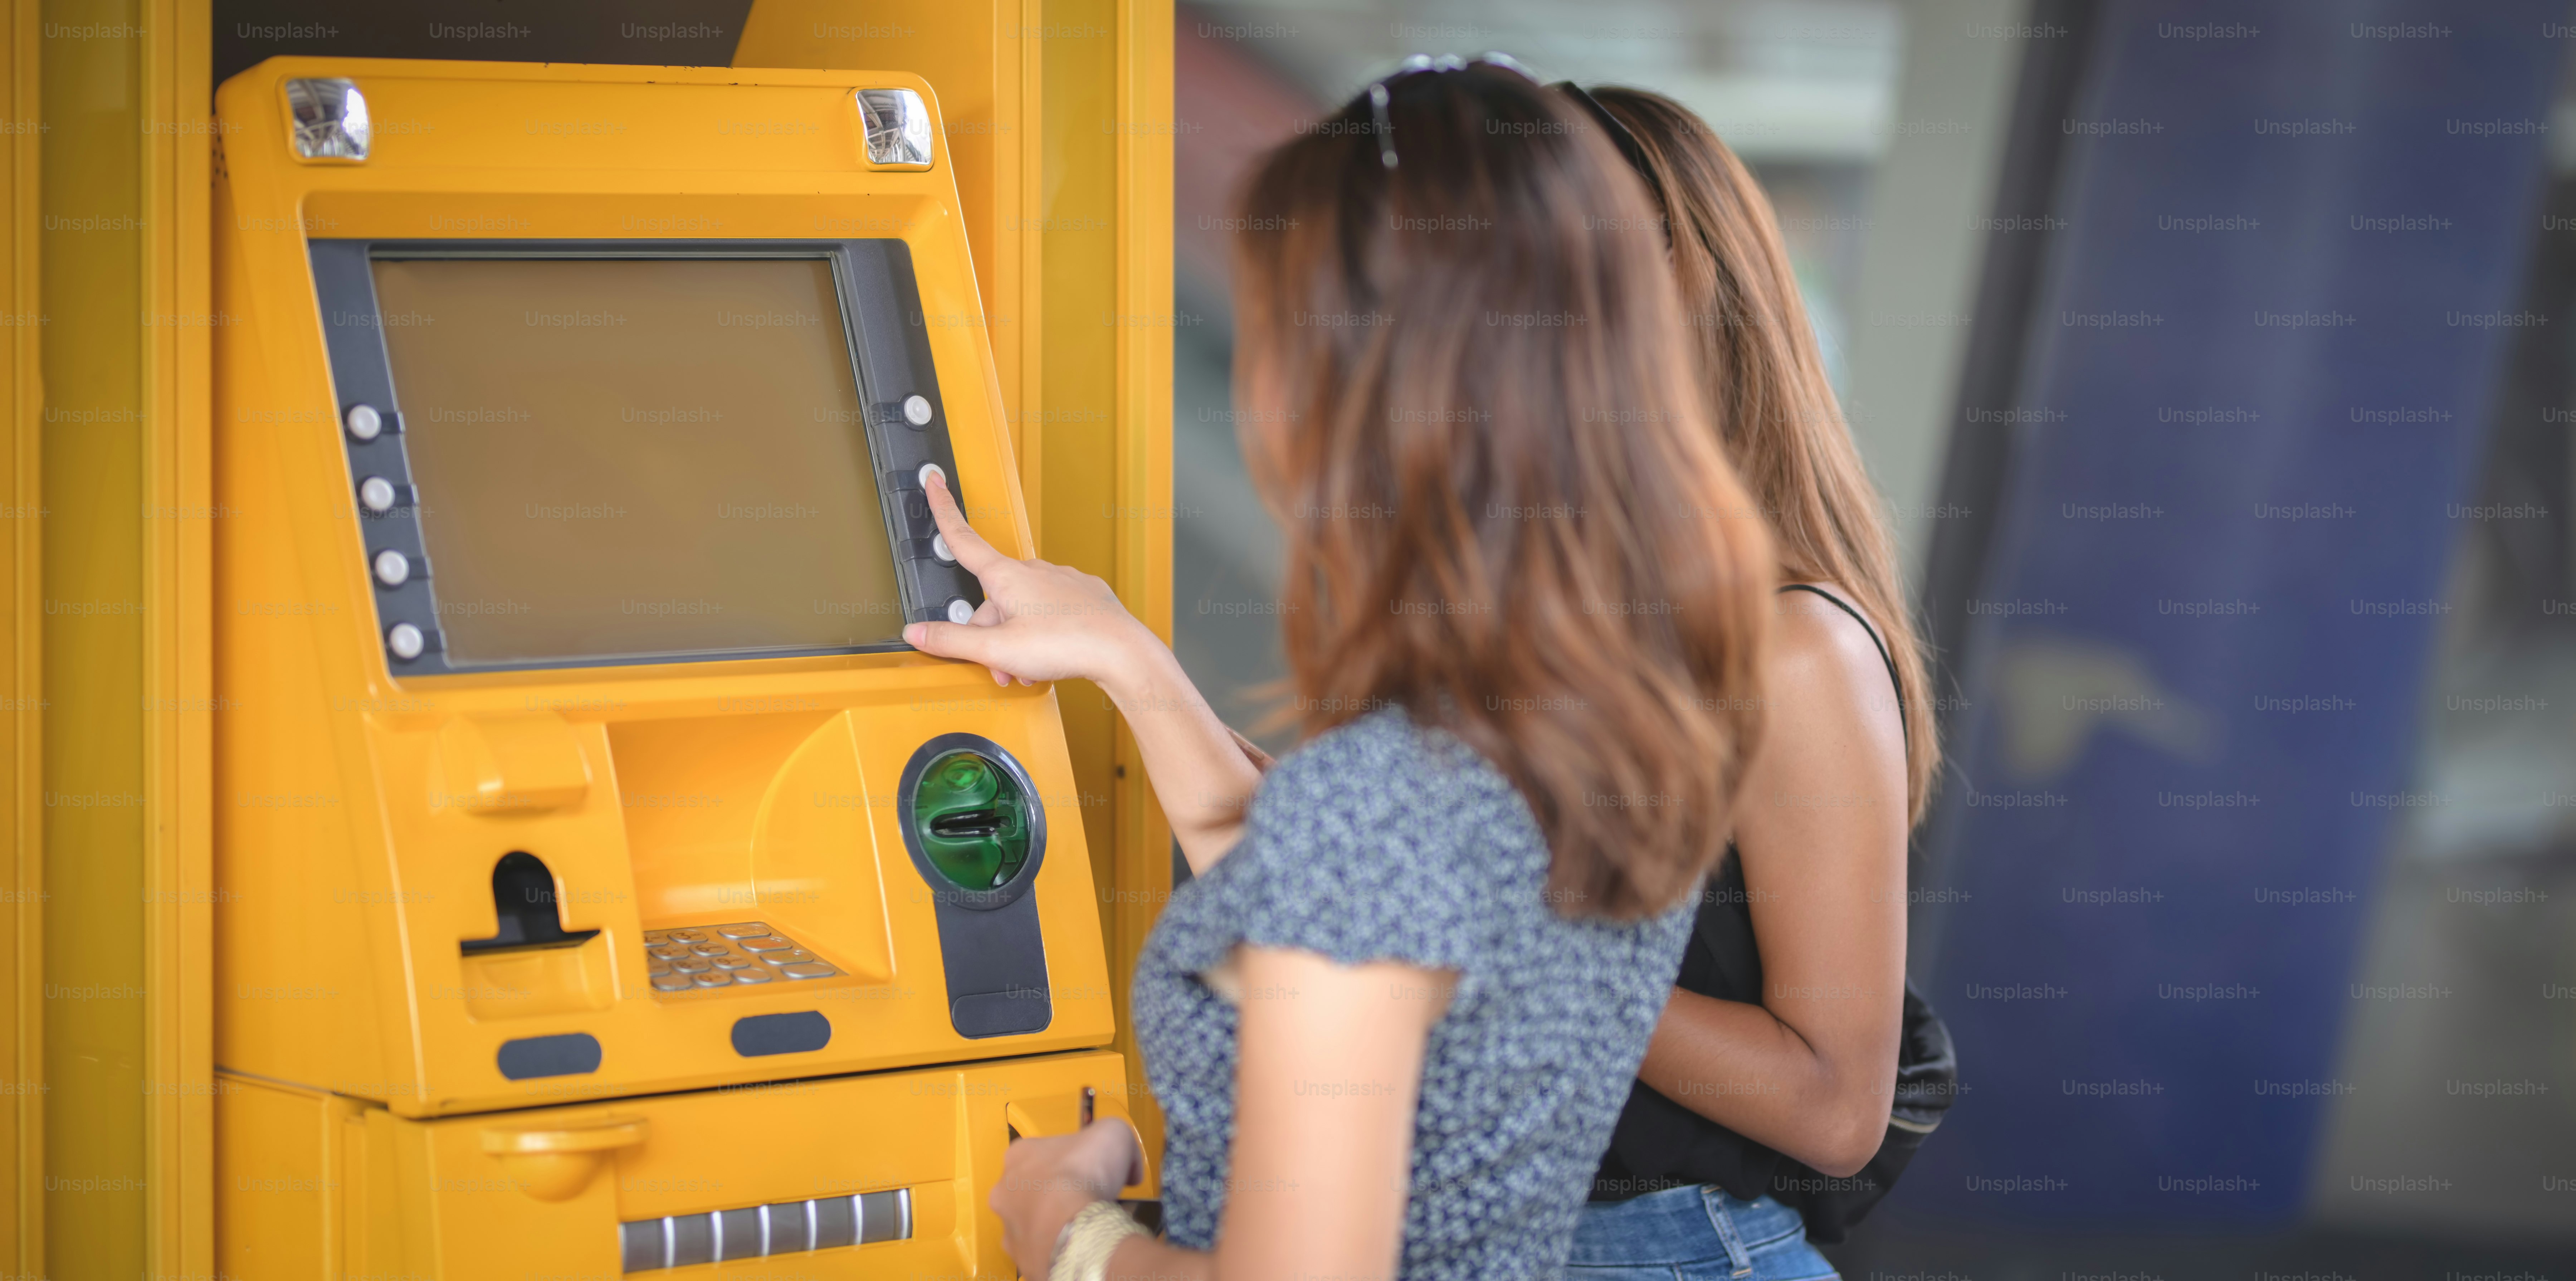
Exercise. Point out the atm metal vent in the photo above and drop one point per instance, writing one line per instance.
(789, 1227)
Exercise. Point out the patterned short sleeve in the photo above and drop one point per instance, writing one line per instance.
(1383, 840)
(1354, 852)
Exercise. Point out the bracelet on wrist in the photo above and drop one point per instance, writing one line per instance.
(1083, 1248)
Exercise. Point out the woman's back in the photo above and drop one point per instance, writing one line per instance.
(1384, 840)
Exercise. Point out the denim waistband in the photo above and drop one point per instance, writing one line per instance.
(1681, 1225)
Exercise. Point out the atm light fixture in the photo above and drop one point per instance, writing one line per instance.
(897, 124)
(329, 119)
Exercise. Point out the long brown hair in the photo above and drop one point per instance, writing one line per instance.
(1766, 385)
(1505, 508)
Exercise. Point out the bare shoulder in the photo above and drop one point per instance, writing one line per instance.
(1817, 645)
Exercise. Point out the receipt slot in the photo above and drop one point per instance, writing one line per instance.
(612, 890)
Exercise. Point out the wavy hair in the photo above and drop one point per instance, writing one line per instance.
(1473, 410)
(1766, 386)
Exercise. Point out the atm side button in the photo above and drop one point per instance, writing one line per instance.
(644, 1245)
(746, 930)
(738, 1234)
(693, 1239)
(885, 1216)
(836, 1222)
(788, 1229)
(751, 976)
(808, 970)
(767, 943)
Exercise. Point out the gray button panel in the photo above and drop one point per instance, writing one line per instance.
(787, 1227)
(707, 957)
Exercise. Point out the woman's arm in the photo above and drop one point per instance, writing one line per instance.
(1821, 829)
(1043, 622)
(1329, 1069)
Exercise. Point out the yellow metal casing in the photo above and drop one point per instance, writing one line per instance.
(316, 1185)
(1060, 114)
(352, 858)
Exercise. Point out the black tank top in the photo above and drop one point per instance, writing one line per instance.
(1660, 1144)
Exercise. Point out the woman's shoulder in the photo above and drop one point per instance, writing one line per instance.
(1821, 635)
(1381, 766)
(1373, 841)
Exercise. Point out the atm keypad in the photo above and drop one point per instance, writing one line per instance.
(715, 956)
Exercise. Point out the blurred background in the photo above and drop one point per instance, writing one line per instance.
(2217, 363)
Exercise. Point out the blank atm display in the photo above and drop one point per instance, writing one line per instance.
(631, 458)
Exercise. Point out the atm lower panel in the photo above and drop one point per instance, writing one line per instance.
(873, 1176)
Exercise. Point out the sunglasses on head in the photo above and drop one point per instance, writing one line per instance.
(1425, 64)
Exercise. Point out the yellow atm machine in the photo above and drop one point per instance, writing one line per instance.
(601, 885)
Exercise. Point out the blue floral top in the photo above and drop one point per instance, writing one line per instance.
(1384, 841)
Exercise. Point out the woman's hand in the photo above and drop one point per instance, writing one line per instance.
(1039, 622)
(1046, 1181)
(1043, 622)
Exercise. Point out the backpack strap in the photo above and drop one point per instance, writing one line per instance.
(1883, 655)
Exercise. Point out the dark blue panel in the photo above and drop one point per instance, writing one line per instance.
(798, 1033)
(2255, 384)
(570, 1054)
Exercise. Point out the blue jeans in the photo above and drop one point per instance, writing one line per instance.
(1693, 1234)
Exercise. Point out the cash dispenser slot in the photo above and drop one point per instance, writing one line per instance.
(754, 863)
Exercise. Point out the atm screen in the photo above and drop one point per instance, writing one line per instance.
(617, 459)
